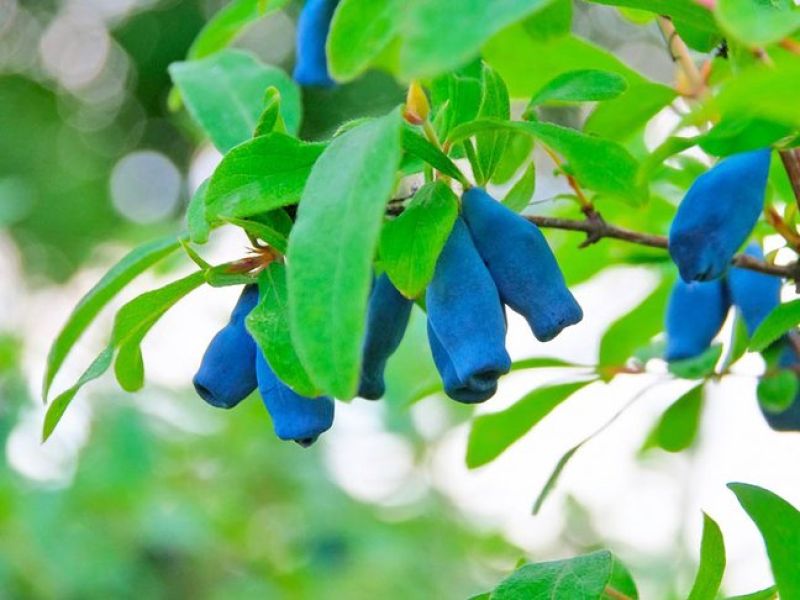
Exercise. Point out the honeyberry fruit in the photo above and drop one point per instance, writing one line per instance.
(387, 319)
(717, 215)
(466, 317)
(521, 264)
(294, 417)
(695, 314)
(311, 67)
(754, 294)
(227, 373)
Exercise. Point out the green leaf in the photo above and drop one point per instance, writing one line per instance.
(712, 562)
(224, 94)
(518, 150)
(779, 525)
(272, 227)
(440, 36)
(129, 367)
(411, 243)
(776, 391)
(684, 10)
(131, 324)
(56, 409)
(199, 227)
(552, 22)
(417, 145)
(493, 433)
(228, 23)
(551, 482)
(757, 92)
(259, 175)
(332, 247)
(268, 323)
(583, 85)
(494, 104)
(698, 367)
(599, 164)
(134, 321)
(520, 195)
(655, 160)
(757, 22)
(677, 428)
(634, 329)
(769, 593)
(457, 96)
(511, 50)
(622, 117)
(779, 321)
(741, 134)
(122, 273)
(224, 276)
(270, 119)
(580, 578)
(360, 30)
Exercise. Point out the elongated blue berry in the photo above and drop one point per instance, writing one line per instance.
(695, 314)
(466, 316)
(311, 67)
(476, 388)
(294, 417)
(789, 419)
(227, 373)
(717, 215)
(387, 319)
(754, 294)
(522, 265)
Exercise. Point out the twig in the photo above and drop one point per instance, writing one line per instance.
(791, 162)
(599, 229)
(586, 205)
(679, 52)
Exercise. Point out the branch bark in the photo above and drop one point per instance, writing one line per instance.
(791, 162)
(597, 229)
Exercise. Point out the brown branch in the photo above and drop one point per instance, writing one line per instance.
(597, 229)
(791, 162)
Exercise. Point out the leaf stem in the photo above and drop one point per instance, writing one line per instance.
(615, 593)
(586, 205)
(679, 52)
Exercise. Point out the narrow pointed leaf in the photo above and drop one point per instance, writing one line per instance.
(131, 265)
(779, 524)
(332, 246)
(712, 562)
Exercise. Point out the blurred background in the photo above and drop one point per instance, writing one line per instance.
(157, 495)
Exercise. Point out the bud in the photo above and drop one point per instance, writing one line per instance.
(417, 108)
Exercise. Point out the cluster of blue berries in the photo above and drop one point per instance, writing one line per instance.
(715, 218)
(492, 258)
